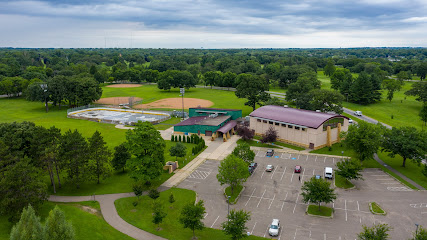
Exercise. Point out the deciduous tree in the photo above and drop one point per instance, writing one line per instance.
(236, 224)
(317, 191)
(158, 213)
(376, 232)
(420, 234)
(178, 150)
(243, 151)
(349, 169)
(364, 138)
(252, 88)
(192, 216)
(329, 68)
(148, 146)
(232, 171)
(407, 142)
(326, 100)
(269, 136)
(121, 156)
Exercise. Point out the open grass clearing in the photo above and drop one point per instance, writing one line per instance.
(412, 170)
(119, 181)
(376, 209)
(342, 182)
(86, 218)
(141, 216)
(236, 192)
(324, 211)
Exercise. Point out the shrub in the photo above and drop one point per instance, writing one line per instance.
(135, 203)
(179, 138)
(172, 138)
(154, 194)
(171, 198)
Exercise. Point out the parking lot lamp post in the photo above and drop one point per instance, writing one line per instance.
(228, 201)
(342, 155)
(416, 230)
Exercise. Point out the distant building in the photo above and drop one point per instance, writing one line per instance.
(309, 129)
(212, 122)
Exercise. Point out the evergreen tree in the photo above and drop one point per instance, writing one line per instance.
(57, 227)
(361, 90)
(28, 227)
(99, 154)
(121, 156)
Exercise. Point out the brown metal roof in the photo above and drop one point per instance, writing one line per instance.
(204, 120)
(224, 129)
(295, 116)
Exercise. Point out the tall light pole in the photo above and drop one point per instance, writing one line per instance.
(342, 154)
(182, 91)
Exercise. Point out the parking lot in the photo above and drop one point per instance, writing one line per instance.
(276, 194)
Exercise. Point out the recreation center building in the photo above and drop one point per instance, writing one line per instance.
(214, 122)
(305, 128)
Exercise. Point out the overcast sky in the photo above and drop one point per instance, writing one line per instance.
(213, 23)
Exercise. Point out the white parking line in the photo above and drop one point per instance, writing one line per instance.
(281, 209)
(324, 160)
(379, 175)
(391, 183)
(295, 204)
(315, 159)
(358, 209)
(191, 181)
(250, 196)
(309, 235)
(295, 235)
(272, 201)
(262, 174)
(283, 173)
(302, 175)
(345, 207)
(298, 156)
(268, 226)
(333, 160)
(274, 170)
(293, 172)
(383, 179)
(324, 236)
(214, 222)
(261, 198)
(307, 158)
(253, 228)
(313, 172)
(206, 215)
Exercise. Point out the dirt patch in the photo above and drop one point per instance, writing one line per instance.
(116, 100)
(90, 210)
(176, 103)
(124, 85)
(133, 210)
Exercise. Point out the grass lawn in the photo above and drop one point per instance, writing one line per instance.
(337, 149)
(324, 211)
(236, 193)
(255, 143)
(86, 225)
(141, 216)
(119, 182)
(342, 182)
(167, 124)
(283, 144)
(376, 209)
(150, 93)
(412, 170)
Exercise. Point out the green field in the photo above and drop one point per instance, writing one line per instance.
(141, 217)
(87, 225)
(120, 182)
(342, 182)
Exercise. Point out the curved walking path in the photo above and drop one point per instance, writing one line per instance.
(108, 210)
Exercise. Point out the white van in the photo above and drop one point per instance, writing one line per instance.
(329, 173)
(358, 113)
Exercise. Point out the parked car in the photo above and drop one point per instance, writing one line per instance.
(269, 168)
(298, 169)
(350, 120)
(274, 228)
(358, 113)
(318, 177)
(270, 153)
(252, 167)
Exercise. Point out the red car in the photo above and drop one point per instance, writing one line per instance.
(298, 169)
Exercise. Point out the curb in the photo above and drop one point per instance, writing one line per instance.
(375, 213)
(332, 215)
(238, 196)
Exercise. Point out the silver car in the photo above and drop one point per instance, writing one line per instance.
(269, 168)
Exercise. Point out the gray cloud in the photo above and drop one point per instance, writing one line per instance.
(210, 19)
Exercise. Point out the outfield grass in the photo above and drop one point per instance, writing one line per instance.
(342, 182)
(86, 225)
(324, 211)
(412, 169)
(150, 93)
(119, 182)
(235, 194)
(141, 216)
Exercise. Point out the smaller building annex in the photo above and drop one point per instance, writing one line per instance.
(212, 122)
(299, 127)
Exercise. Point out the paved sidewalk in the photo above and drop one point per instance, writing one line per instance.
(398, 173)
(110, 214)
(216, 150)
